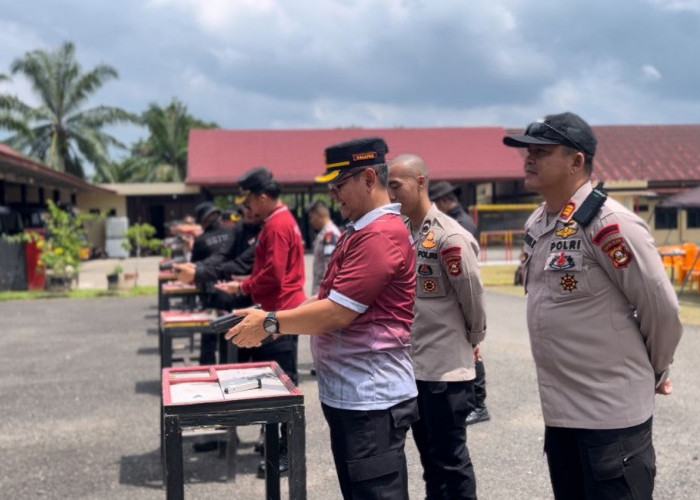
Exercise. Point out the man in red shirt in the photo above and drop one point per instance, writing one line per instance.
(277, 279)
(360, 325)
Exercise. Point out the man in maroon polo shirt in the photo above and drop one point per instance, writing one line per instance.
(360, 325)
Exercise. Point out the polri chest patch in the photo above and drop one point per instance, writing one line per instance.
(564, 261)
(425, 270)
(565, 244)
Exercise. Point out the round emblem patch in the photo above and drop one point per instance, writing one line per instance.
(429, 286)
(568, 283)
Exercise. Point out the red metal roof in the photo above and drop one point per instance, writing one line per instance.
(648, 152)
(15, 162)
(645, 152)
(625, 152)
(218, 157)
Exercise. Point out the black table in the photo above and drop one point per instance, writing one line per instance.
(179, 324)
(194, 396)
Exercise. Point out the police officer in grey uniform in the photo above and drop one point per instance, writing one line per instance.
(449, 319)
(602, 315)
(324, 242)
(446, 198)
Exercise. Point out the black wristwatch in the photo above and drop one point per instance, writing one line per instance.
(270, 323)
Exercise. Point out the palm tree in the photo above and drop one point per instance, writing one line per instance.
(127, 170)
(12, 112)
(162, 157)
(64, 134)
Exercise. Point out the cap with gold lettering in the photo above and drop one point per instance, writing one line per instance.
(347, 155)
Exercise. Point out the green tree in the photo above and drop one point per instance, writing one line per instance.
(128, 170)
(13, 112)
(162, 157)
(64, 134)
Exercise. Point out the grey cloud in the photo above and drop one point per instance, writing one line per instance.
(381, 63)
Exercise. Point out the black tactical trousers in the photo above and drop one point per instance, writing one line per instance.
(441, 438)
(368, 450)
(610, 464)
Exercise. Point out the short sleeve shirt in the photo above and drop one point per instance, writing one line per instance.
(367, 365)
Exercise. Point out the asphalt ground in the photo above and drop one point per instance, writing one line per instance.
(79, 412)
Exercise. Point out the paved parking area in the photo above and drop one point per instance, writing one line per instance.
(79, 406)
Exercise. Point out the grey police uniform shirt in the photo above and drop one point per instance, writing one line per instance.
(323, 246)
(602, 315)
(449, 316)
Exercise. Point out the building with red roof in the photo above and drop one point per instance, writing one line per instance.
(640, 164)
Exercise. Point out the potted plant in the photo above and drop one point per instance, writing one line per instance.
(60, 248)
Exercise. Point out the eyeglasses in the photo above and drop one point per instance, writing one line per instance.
(335, 187)
(541, 128)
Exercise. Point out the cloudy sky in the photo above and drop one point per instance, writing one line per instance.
(377, 63)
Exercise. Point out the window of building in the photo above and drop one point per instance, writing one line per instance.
(666, 218)
(693, 217)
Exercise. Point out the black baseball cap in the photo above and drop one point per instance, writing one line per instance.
(567, 129)
(254, 181)
(204, 210)
(348, 155)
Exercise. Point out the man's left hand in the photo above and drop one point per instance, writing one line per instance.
(665, 388)
(231, 287)
(249, 332)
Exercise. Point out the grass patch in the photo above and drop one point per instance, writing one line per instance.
(498, 275)
(500, 279)
(137, 291)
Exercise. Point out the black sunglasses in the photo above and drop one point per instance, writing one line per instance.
(541, 128)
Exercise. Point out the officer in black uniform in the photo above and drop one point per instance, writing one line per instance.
(211, 242)
(215, 236)
(236, 258)
(446, 198)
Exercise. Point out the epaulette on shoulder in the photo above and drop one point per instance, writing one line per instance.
(590, 206)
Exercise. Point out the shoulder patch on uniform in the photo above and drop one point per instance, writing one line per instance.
(449, 250)
(453, 263)
(618, 252)
(604, 232)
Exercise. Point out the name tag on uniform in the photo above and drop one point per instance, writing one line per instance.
(564, 260)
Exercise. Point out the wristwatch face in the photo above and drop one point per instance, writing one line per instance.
(270, 324)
